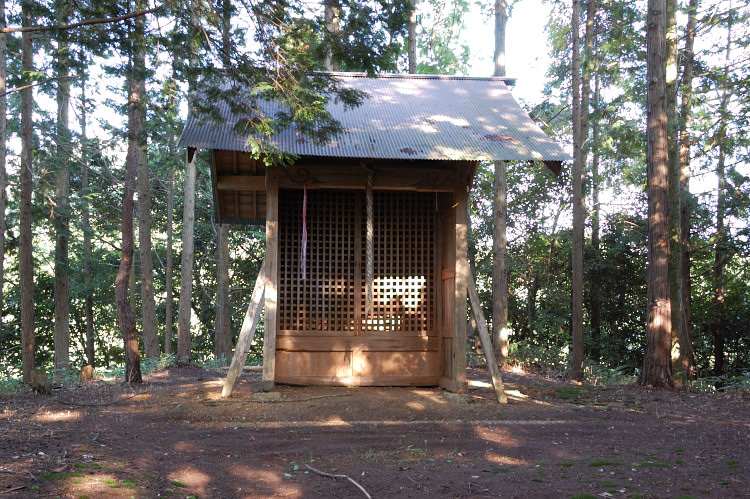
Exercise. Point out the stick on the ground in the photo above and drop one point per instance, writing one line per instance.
(484, 335)
(331, 475)
(8, 491)
(252, 316)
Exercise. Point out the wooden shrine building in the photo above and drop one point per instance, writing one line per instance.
(376, 292)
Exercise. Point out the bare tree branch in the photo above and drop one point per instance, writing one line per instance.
(27, 29)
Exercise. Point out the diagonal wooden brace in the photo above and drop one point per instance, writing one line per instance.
(252, 316)
(484, 335)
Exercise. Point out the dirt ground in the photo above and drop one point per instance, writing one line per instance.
(173, 436)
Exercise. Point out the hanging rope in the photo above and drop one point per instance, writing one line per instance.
(303, 249)
(369, 247)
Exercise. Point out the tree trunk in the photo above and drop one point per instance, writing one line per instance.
(411, 47)
(25, 249)
(501, 19)
(148, 304)
(500, 330)
(3, 153)
(62, 197)
(332, 15)
(168, 307)
(592, 6)
(184, 345)
(656, 361)
(125, 312)
(675, 266)
(596, 275)
(186, 267)
(686, 360)
(576, 363)
(223, 334)
(721, 253)
(86, 219)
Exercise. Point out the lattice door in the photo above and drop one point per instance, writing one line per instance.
(325, 300)
(404, 262)
(332, 298)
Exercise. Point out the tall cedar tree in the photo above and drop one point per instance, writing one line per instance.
(125, 313)
(148, 304)
(223, 326)
(656, 361)
(686, 359)
(500, 330)
(62, 194)
(25, 249)
(721, 250)
(88, 303)
(576, 360)
(3, 152)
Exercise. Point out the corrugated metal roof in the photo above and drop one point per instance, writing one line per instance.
(408, 117)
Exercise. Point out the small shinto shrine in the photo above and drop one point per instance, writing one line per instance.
(366, 272)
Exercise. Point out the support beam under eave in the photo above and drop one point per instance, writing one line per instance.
(272, 286)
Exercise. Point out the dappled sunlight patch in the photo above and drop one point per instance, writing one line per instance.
(335, 419)
(414, 405)
(190, 478)
(58, 416)
(496, 435)
(258, 482)
(97, 485)
(503, 460)
(516, 395)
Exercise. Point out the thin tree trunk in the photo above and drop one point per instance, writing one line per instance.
(86, 218)
(223, 325)
(332, 15)
(168, 307)
(223, 334)
(411, 47)
(686, 360)
(596, 275)
(62, 197)
(25, 248)
(184, 342)
(501, 19)
(675, 266)
(169, 265)
(656, 361)
(3, 152)
(125, 312)
(576, 363)
(500, 330)
(721, 253)
(592, 7)
(148, 304)
(186, 267)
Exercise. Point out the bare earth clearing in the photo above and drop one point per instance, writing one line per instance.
(174, 436)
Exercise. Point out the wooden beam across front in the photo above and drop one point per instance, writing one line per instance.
(241, 183)
(393, 178)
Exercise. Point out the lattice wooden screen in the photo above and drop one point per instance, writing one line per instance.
(325, 300)
(403, 289)
(332, 298)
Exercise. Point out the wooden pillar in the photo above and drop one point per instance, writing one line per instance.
(272, 267)
(461, 291)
